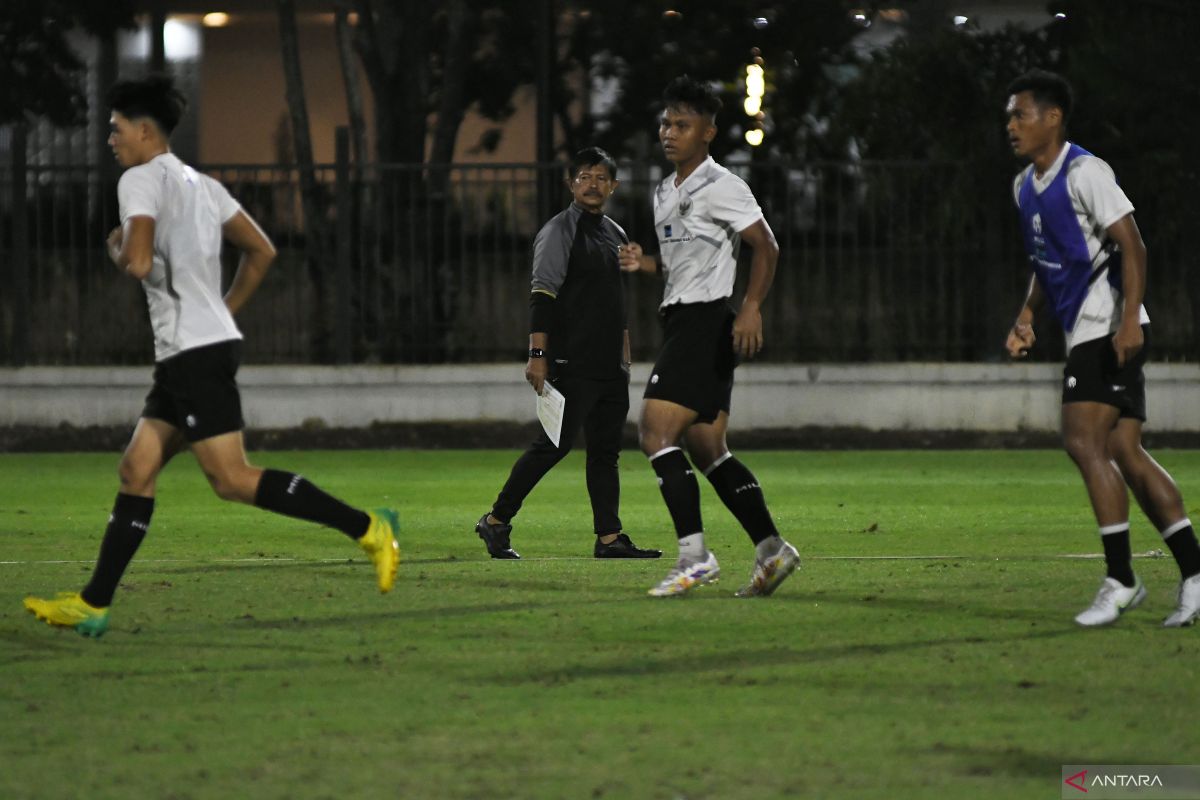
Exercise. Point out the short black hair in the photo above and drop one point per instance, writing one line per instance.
(154, 96)
(687, 92)
(1048, 89)
(590, 157)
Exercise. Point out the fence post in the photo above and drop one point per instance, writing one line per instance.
(20, 261)
(343, 250)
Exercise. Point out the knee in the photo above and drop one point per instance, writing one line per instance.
(232, 485)
(1083, 448)
(135, 478)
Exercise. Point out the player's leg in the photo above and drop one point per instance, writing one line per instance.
(222, 458)
(739, 490)
(1086, 427)
(153, 444)
(495, 527)
(1161, 501)
(602, 430)
(660, 430)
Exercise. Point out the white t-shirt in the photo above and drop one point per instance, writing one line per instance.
(699, 224)
(1098, 202)
(183, 288)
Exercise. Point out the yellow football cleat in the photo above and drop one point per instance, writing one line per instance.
(69, 610)
(379, 542)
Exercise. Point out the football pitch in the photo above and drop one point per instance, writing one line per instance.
(924, 649)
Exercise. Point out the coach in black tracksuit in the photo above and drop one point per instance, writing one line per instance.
(580, 343)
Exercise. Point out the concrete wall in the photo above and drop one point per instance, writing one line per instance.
(971, 397)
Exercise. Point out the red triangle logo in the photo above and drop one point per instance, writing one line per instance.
(1081, 777)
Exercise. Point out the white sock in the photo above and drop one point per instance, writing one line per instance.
(692, 547)
(768, 547)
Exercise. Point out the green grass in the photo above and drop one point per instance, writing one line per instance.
(249, 655)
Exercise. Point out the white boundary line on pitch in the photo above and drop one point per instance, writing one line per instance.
(290, 560)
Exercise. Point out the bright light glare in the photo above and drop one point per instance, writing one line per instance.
(752, 105)
(1060, 15)
(216, 19)
(960, 20)
(754, 137)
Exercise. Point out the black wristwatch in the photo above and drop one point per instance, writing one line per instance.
(537, 352)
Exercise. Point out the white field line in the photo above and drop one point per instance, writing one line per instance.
(289, 560)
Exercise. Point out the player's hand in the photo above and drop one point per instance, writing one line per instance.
(1020, 340)
(1127, 342)
(747, 331)
(115, 238)
(629, 257)
(535, 373)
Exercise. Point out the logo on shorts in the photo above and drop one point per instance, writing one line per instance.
(1071, 381)
(654, 378)
(1117, 388)
(191, 420)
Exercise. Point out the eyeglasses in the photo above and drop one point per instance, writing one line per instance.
(599, 180)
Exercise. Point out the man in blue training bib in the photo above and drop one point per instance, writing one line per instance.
(1089, 266)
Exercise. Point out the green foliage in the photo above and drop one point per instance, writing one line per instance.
(250, 655)
(40, 75)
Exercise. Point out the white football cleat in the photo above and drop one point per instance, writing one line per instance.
(1189, 604)
(769, 573)
(1113, 600)
(687, 575)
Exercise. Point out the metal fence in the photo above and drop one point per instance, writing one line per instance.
(409, 264)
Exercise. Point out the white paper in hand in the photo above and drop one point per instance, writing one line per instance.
(550, 407)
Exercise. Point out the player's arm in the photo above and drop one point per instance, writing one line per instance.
(747, 327)
(1020, 335)
(1128, 339)
(131, 246)
(633, 259)
(257, 254)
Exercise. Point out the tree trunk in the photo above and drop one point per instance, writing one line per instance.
(354, 101)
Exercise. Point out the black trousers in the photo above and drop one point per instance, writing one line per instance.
(598, 407)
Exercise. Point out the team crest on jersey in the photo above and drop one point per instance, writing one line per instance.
(685, 206)
(1037, 224)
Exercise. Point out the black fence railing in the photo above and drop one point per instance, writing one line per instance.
(413, 264)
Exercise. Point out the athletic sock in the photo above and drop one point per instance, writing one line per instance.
(767, 547)
(1181, 539)
(679, 489)
(127, 526)
(292, 495)
(1117, 555)
(739, 491)
(692, 547)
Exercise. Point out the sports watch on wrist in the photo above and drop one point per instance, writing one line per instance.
(537, 352)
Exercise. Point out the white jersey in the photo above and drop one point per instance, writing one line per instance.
(183, 288)
(699, 224)
(1098, 202)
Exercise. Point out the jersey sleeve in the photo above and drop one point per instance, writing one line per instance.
(139, 194)
(733, 203)
(551, 253)
(227, 207)
(1093, 183)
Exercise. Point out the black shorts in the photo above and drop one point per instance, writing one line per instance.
(695, 366)
(1092, 375)
(196, 391)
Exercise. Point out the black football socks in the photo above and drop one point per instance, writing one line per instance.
(741, 494)
(127, 526)
(292, 495)
(680, 490)
(1181, 539)
(1117, 554)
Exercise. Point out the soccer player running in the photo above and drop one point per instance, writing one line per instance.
(702, 214)
(579, 342)
(173, 220)
(1089, 262)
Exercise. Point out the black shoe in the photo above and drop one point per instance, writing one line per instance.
(496, 538)
(622, 547)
